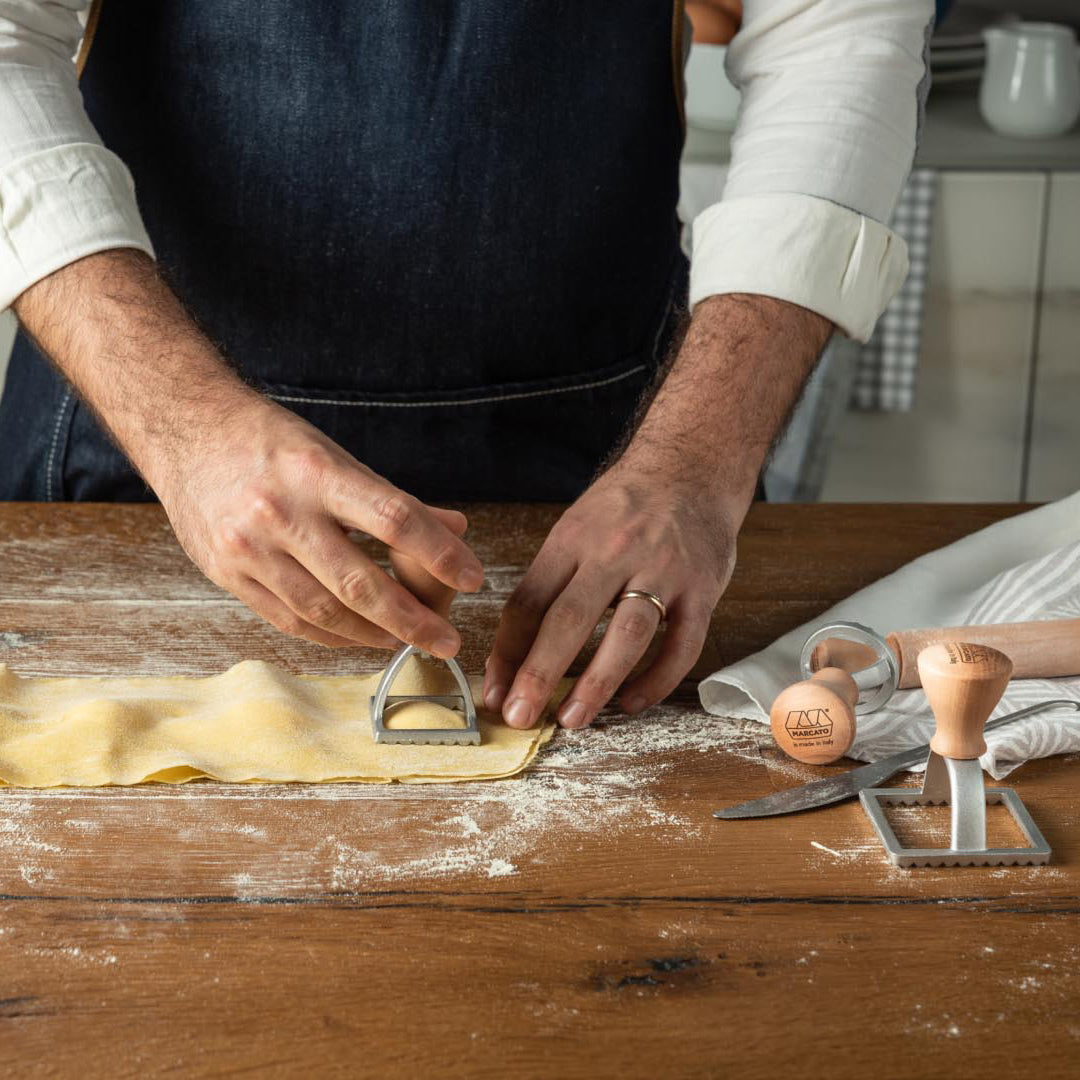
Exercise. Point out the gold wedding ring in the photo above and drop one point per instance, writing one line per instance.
(642, 594)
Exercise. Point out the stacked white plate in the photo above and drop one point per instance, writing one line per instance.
(957, 49)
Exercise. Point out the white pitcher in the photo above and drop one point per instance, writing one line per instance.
(1031, 84)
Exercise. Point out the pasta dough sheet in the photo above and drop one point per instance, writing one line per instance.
(252, 723)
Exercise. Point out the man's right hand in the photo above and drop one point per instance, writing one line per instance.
(261, 501)
(265, 513)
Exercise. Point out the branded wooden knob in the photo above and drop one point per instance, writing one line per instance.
(814, 720)
(963, 683)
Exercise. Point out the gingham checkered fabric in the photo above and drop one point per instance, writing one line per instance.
(886, 365)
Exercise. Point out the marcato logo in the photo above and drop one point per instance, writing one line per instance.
(960, 653)
(809, 724)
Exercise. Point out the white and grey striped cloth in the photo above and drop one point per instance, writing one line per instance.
(1024, 568)
(1044, 588)
(887, 364)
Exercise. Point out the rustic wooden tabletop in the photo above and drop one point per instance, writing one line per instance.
(589, 918)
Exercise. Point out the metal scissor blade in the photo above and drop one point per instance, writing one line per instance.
(833, 789)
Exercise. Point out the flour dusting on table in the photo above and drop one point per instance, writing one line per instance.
(279, 839)
(594, 781)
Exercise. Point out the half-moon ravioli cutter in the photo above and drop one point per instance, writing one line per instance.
(382, 702)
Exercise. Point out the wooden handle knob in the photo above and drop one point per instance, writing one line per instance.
(814, 720)
(429, 590)
(838, 652)
(1047, 649)
(963, 683)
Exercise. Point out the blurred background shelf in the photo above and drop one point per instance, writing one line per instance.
(954, 138)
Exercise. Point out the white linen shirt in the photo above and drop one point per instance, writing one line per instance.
(825, 137)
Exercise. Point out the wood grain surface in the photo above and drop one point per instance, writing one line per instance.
(587, 919)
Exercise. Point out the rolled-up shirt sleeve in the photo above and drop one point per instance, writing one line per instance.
(63, 195)
(832, 100)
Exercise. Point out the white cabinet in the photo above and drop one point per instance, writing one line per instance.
(1054, 457)
(997, 416)
(965, 438)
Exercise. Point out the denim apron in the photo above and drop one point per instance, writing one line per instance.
(442, 232)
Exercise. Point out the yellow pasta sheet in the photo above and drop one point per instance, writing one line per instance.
(251, 723)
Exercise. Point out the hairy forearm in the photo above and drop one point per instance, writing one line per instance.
(133, 353)
(738, 373)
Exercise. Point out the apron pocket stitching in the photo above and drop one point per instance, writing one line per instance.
(450, 402)
(665, 322)
(50, 467)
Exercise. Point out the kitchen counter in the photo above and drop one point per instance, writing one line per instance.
(589, 918)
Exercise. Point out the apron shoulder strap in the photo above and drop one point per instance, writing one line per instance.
(88, 37)
(678, 55)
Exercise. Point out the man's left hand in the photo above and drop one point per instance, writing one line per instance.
(632, 529)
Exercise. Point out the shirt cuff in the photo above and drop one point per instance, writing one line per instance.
(802, 249)
(63, 204)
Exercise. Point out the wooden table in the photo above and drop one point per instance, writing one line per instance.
(587, 919)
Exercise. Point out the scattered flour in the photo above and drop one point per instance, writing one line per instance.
(467, 824)
(10, 640)
(244, 886)
(83, 826)
(866, 850)
(15, 831)
(20, 834)
(101, 957)
(595, 781)
(240, 830)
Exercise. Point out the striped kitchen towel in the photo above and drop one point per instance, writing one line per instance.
(1024, 568)
(887, 364)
